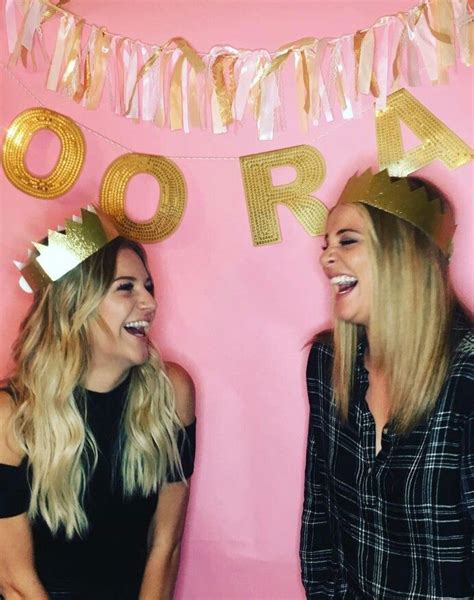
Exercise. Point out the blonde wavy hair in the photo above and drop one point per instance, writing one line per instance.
(52, 355)
(410, 318)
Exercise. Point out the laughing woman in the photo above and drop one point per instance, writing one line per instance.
(389, 486)
(96, 432)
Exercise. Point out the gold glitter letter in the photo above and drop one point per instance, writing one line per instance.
(71, 155)
(438, 141)
(262, 196)
(172, 201)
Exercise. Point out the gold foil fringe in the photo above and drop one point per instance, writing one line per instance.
(425, 38)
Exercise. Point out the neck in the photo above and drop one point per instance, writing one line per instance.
(104, 379)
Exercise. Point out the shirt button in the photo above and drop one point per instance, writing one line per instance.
(385, 430)
(369, 470)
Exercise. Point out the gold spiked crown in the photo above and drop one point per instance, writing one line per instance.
(66, 249)
(432, 216)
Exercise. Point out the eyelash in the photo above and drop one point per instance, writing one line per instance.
(128, 287)
(346, 242)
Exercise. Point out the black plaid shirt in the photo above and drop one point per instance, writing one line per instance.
(399, 525)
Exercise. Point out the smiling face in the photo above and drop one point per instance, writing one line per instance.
(345, 261)
(119, 337)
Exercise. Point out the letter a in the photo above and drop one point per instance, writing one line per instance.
(438, 141)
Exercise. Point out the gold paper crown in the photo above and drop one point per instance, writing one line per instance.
(66, 249)
(433, 216)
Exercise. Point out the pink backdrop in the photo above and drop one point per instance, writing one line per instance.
(237, 317)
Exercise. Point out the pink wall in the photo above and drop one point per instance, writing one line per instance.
(237, 317)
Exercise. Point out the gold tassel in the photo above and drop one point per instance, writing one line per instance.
(141, 73)
(193, 100)
(160, 116)
(70, 81)
(98, 68)
(176, 95)
(282, 55)
(225, 95)
(442, 29)
(364, 52)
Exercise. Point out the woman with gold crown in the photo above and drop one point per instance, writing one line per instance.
(96, 432)
(389, 485)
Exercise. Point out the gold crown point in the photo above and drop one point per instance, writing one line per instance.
(73, 226)
(90, 217)
(40, 248)
(56, 238)
(356, 185)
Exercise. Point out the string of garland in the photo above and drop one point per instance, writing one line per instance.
(172, 85)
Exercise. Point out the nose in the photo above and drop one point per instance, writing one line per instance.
(147, 301)
(328, 256)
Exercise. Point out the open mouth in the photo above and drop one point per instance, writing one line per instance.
(138, 328)
(343, 283)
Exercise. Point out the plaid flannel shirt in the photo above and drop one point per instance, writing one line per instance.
(399, 525)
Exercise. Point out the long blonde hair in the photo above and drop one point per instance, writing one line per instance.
(52, 356)
(410, 319)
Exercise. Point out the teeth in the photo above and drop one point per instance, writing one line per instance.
(342, 280)
(138, 324)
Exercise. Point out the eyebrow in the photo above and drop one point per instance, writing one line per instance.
(130, 278)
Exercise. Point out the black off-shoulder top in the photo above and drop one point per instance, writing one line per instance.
(108, 562)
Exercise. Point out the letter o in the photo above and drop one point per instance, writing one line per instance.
(172, 198)
(71, 156)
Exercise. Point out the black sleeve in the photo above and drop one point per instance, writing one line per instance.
(318, 566)
(187, 449)
(14, 490)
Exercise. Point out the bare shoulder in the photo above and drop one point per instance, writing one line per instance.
(9, 453)
(7, 406)
(184, 392)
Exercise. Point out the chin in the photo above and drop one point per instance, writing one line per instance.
(344, 316)
(348, 318)
(140, 360)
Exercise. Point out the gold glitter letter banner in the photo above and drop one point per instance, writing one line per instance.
(172, 196)
(262, 196)
(71, 156)
(438, 141)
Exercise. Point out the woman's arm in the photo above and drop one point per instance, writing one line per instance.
(168, 523)
(163, 560)
(316, 544)
(466, 386)
(316, 554)
(18, 578)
